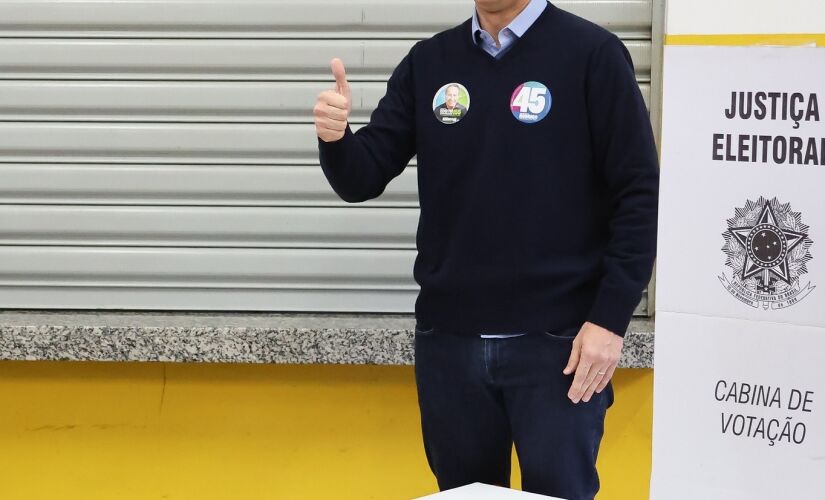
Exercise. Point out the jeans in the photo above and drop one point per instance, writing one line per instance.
(479, 396)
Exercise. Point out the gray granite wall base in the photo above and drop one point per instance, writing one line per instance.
(379, 339)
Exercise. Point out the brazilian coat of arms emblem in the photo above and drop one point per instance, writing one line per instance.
(767, 248)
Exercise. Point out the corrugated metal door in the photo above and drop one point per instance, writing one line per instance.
(161, 154)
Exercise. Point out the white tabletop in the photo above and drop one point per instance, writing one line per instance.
(478, 491)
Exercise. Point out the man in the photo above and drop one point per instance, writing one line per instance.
(450, 111)
(536, 236)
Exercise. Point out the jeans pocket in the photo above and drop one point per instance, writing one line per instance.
(565, 335)
(423, 331)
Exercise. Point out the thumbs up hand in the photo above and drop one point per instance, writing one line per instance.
(333, 106)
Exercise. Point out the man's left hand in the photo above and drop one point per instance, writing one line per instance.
(594, 358)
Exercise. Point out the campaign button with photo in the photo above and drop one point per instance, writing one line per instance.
(451, 103)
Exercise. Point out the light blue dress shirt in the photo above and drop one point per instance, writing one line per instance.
(509, 33)
(506, 37)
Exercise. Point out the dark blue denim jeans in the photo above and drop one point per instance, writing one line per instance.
(479, 396)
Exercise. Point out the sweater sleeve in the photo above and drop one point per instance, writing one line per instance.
(626, 161)
(361, 164)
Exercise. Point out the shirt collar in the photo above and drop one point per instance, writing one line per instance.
(522, 21)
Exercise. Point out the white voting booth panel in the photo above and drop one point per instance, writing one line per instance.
(478, 491)
(740, 328)
(748, 424)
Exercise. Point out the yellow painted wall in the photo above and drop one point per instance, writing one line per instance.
(94, 430)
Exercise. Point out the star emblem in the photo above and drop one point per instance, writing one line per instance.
(767, 246)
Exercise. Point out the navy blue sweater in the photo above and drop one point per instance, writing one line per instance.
(532, 224)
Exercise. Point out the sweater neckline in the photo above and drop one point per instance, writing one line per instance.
(517, 44)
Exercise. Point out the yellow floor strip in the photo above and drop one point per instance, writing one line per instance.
(75, 430)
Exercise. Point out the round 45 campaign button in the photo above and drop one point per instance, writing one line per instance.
(530, 102)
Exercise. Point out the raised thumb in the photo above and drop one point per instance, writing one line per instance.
(340, 74)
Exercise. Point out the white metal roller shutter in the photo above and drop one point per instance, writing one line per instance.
(160, 154)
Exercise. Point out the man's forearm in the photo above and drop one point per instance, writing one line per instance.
(351, 172)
